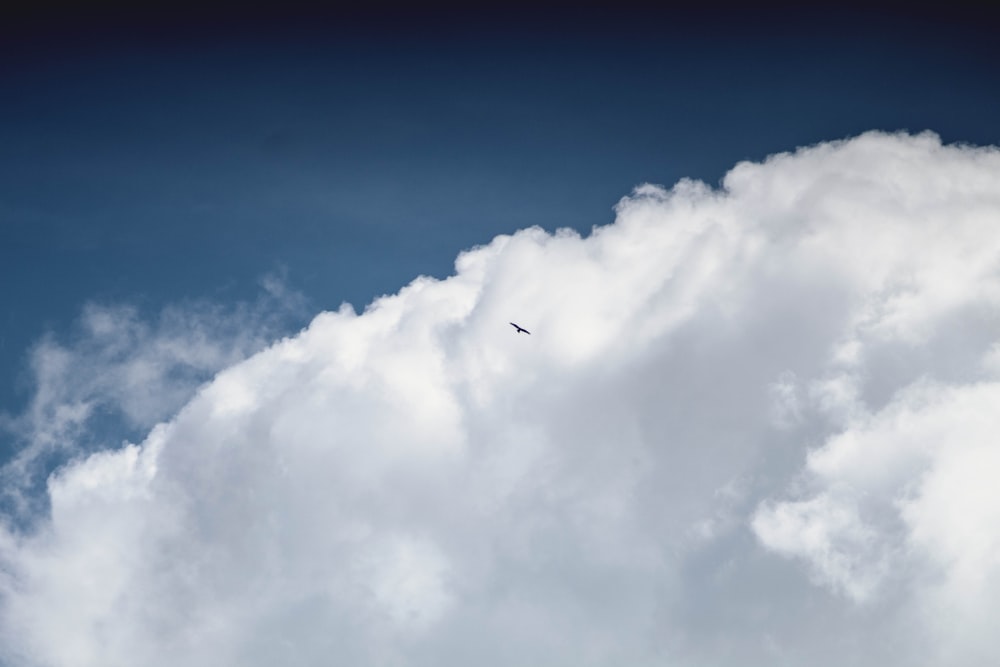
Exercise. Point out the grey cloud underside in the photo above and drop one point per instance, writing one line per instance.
(753, 426)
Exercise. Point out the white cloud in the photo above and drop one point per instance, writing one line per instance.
(798, 368)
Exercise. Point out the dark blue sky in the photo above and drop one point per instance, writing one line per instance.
(153, 157)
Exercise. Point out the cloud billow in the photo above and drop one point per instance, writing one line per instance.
(751, 424)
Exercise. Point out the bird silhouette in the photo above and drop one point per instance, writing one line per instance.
(520, 329)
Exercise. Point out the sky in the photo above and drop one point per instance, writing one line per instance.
(261, 402)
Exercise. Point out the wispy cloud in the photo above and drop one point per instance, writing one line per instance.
(751, 425)
(121, 373)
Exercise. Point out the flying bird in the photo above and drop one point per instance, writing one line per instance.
(520, 329)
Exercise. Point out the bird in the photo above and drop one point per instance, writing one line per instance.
(520, 329)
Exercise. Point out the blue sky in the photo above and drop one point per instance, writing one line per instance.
(754, 422)
(150, 159)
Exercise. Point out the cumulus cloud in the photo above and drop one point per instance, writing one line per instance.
(752, 425)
